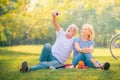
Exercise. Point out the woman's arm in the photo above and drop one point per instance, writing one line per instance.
(77, 47)
(90, 49)
(84, 50)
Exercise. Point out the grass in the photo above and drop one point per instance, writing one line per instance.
(12, 57)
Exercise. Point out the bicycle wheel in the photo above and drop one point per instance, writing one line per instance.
(115, 46)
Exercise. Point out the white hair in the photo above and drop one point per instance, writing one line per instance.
(72, 26)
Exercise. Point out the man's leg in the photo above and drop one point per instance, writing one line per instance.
(44, 65)
(78, 58)
(46, 52)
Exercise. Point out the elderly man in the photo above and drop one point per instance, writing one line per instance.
(59, 52)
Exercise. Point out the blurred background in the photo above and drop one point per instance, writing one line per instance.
(24, 22)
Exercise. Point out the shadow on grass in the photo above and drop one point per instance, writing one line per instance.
(11, 57)
(14, 53)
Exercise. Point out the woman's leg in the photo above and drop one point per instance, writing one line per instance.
(79, 57)
(46, 52)
(90, 60)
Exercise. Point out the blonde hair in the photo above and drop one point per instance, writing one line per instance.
(91, 30)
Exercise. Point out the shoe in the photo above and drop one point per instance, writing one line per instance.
(52, 67)
(24, 67)
(106, 66)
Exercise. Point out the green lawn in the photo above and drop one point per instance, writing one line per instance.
(12, 57)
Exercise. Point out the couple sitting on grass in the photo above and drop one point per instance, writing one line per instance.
(57, 54)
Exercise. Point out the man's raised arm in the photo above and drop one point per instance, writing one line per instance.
(56, 24)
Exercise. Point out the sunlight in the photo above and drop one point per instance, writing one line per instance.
(32, 5)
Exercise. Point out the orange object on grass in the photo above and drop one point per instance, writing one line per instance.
(81, 64)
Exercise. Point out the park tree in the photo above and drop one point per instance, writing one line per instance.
(30, 21)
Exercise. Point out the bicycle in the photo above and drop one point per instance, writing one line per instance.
(115, 46)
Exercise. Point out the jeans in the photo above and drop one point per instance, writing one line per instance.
(84, 57)
(46, 59)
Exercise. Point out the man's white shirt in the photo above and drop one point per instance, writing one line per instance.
(62, 46)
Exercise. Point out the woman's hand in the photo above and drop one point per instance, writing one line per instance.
(84, 50)
(88, 50)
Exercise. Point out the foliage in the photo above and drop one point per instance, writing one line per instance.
(30, 22)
